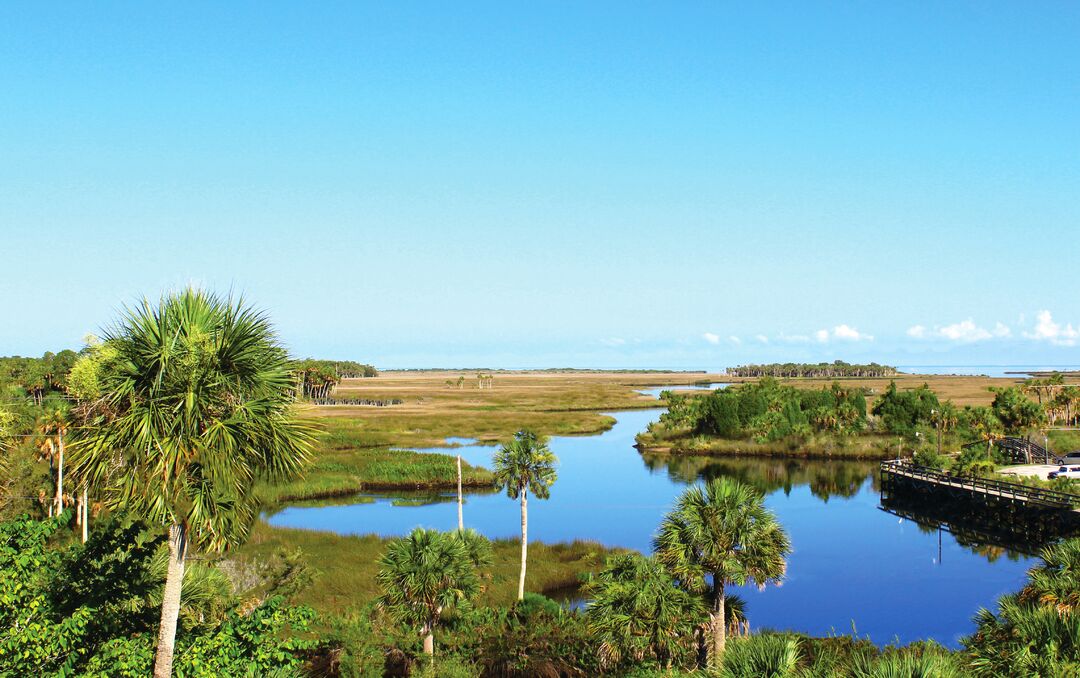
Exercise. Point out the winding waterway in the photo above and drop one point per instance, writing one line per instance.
(854, 565)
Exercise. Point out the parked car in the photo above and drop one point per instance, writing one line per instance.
(1069, 459)
(1064, 472)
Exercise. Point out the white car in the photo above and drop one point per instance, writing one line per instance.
(1065, 472)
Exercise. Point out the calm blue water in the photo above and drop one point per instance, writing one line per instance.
(852, 562)
(657, 390)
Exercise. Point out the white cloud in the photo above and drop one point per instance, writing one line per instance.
(965, 332)
(613, 341)
(713, 339)
(735, 340)
(842, 333)
(762, 338)
(1046, 329)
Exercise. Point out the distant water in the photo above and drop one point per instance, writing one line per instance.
(987, 370)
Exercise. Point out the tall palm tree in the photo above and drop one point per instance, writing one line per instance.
(460, 499)
(722, 533)
(199, 407)
(522, 465)
(637, 611)
(54, 426)
(423, 574)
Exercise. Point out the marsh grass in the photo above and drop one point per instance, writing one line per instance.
(348, 471)
(347, 565)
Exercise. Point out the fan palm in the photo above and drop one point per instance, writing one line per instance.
(199, 400)
(423, 574)
(637, 611)
(722, 533)
(525, 464)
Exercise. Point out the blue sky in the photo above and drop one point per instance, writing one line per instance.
(589, 184)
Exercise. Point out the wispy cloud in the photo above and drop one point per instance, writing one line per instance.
(713, 339)
(762, 338)
(965, 332)
(613, 341)
(842, 333)
(1047, 329)
(735, 340)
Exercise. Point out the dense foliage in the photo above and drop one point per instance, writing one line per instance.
(767, 410)
(91, 609)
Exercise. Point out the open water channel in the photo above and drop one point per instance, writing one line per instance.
(854, 565)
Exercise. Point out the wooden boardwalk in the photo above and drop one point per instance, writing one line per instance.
(1020, 450)
(900, 475)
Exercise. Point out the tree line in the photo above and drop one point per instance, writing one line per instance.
(833, 370)
(319, 378)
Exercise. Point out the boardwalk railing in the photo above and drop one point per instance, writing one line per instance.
(1020, 450)
(1033, 496)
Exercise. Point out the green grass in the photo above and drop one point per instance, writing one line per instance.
(338, 472)
(347, 565)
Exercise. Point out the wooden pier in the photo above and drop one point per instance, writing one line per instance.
(902, 476)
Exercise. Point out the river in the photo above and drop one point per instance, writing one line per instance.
(854, 566)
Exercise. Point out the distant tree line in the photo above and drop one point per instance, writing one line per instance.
(36, 378)
(832, 370)
(316, 379)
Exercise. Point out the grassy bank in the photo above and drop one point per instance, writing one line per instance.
(346, 565)
(338, 472)
(682, 442)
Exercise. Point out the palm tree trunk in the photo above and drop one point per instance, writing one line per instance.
(60, 476)
(716, 620)
(85, 514)
(460, 516)
(524, 541)
(170, 602)
(429, 640)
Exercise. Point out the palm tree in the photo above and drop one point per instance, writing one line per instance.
(638, 611)
(199, 407)
(722, 532)
(54, 426)
(423, 574)
(525, 464)
(460, 499)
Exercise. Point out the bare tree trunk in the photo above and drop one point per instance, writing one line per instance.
(429, 640)
(85, 514)
(60, 476)
(170, 602)
(716, 621)
(460, 515)
(524, 541)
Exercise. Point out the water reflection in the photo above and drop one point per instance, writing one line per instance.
(826, 479)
